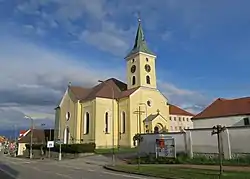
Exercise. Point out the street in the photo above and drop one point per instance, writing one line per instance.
(16, 168)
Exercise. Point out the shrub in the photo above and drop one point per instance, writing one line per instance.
(66, 148)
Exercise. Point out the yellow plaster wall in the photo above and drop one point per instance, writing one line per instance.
(142, 95)
(124, 138)
(71, 105)
(89, 107)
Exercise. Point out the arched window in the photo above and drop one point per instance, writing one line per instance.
(123, 122)
(86, 123)
(148, 79)
(106, 122)
(133, 80)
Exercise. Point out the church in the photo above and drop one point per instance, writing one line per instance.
(112, 112)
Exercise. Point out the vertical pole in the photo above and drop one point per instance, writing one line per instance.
(140, 119)
(113, 128)
(49, 139)
(219, 148)
(60, 151)
(31, 138)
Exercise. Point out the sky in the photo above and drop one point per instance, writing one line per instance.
(202, 50)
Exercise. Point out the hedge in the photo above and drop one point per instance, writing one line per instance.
(66, 148)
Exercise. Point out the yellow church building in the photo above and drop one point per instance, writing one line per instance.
(112, 112)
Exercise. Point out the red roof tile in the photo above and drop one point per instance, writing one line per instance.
(226, 107)
(175, 110)
(103, 90)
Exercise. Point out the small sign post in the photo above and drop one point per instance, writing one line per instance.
(50, 144)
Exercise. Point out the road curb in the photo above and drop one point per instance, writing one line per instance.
(111, 168)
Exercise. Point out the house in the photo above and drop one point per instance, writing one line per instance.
(179, 119)
(40, 136)
(112, 112)
(225, 112)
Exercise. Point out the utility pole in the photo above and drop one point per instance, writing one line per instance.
(217, 130)
(49, 140)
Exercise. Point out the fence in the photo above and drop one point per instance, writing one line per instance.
(200, 142)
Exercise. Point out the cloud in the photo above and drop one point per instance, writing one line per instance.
(192, 101)
(34, 78)
(167, 35)
(67, 13)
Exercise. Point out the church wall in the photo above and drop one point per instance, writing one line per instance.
(103, 139)
(57, 123)
(142, 95)
(87, 107)
(124, 138)
(68, 105)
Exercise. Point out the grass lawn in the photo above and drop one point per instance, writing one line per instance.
(181, 173)
(120, 150)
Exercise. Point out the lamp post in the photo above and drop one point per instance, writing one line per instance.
(113, 121)
(31, 134)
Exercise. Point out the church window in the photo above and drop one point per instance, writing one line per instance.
(133, 60)
(133, 80)
(147, 59)
(106, 122)
(149, 103)
(148, 79)
(86, 123)
(123, 122)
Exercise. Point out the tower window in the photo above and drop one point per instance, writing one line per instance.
(148, 79)
(133, 60)
(147, 59)
(133, 80)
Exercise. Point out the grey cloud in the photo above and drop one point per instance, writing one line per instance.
(10, 117)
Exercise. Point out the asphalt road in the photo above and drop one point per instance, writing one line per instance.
(16, 168)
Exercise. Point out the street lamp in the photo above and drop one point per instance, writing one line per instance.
(113, 121)
(31, 134)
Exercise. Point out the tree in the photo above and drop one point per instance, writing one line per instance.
(138, 139)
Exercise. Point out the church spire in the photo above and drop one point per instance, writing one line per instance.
(140, 44)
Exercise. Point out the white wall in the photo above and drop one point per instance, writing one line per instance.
(239, 140)
(148, 143)
(177, 121)
(224, 121)
(235, 141)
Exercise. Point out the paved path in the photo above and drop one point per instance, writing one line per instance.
(16, 168)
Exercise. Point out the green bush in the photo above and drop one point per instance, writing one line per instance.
(182, 158)
(66, 148)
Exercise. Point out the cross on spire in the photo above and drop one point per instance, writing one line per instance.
(140, 44)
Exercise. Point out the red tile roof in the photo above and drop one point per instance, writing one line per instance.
(226, 107)
(103, 90)
(175, 110)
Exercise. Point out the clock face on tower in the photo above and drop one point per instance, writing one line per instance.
(147, 68)
(133, 68)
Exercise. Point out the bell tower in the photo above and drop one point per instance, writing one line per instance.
(141, 63)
